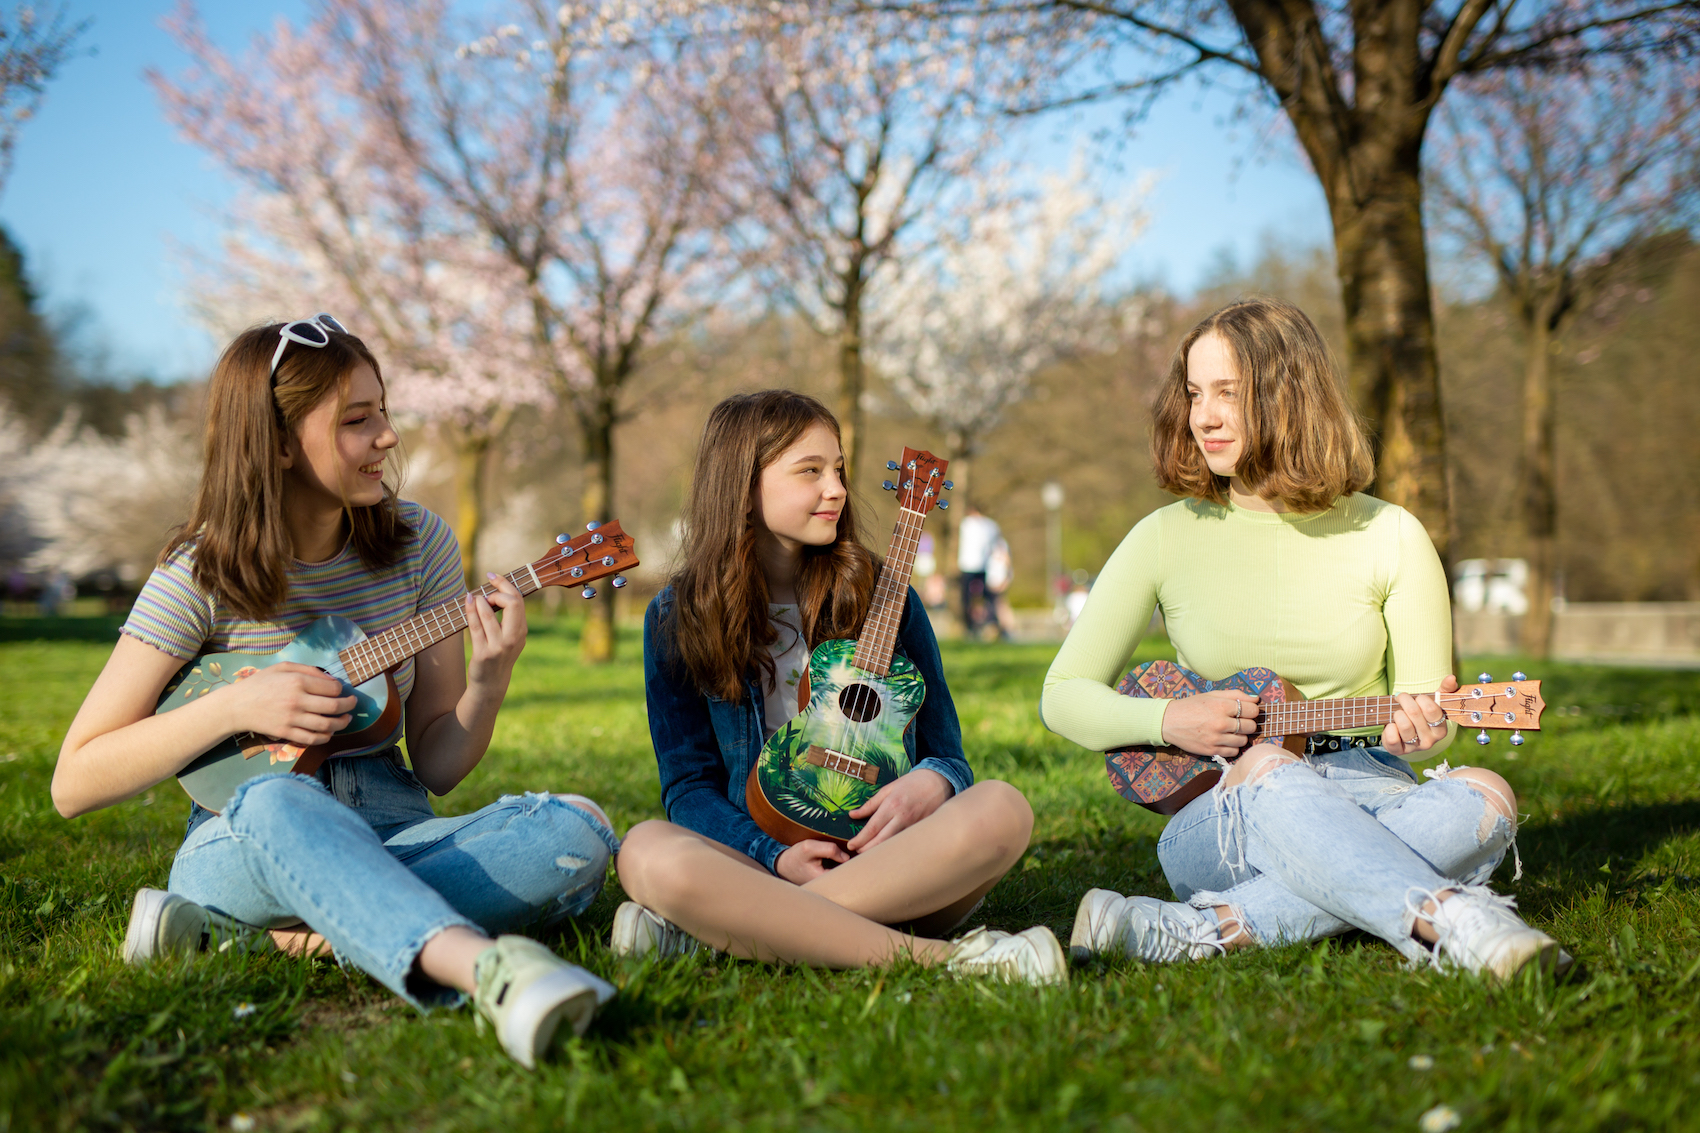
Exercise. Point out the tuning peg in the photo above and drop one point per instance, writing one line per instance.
(1517, 739)
(607, 560)
(561, 538)
(948, 485)
(888, 486)
(1483, 738)
(619, 582)
(944, 505)
(596, 538)
(891, 465)
(1518, 677)
(588, 592)
(1483, 678)
(593, 525)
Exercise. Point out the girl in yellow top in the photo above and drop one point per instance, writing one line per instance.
(1275, 558)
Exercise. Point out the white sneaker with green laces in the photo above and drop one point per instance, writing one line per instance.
(640, 932)
(1478, 932)
(528, 992)
(1032, 956)
(1158, 932)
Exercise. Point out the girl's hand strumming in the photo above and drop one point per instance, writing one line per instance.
(1211, 723)
(896, 805)
(294, 703)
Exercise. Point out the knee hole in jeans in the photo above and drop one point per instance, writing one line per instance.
(1498, 798)
(1257, 767)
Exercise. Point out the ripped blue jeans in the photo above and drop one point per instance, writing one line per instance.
(358, 855)
(1344, 839)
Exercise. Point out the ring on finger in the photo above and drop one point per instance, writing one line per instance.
(1236, 713)
(1435, 723)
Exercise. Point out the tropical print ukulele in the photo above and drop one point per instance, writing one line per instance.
(857, 699)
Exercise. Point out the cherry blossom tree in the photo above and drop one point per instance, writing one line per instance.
(514, 202)
(1359, 84)
(35, 41)
(1025, 285)
(851, 138)
(1558, 183)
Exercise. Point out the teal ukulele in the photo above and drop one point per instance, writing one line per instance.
(363, 664)
(856, 700)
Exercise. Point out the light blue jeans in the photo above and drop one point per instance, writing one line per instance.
(1344, 839)
(357, 854)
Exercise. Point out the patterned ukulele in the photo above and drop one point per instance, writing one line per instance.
(340, 648)
(1165, 779)
(857, 699)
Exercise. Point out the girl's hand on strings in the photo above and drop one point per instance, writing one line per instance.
(1418, 723)
(898, 805)
(808, 859)
(1212, 723)
(496, 644)
(294, 703)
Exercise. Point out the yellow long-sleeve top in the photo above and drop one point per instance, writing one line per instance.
(1347, 602)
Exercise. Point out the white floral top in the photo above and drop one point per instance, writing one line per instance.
(790, 662)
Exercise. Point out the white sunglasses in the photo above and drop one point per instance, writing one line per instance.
(312, 332)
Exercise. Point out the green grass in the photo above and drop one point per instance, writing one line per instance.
(1318, 1037)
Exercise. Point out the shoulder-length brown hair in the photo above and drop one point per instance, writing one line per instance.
(1302, 442)
(719, 624)
(241, 542)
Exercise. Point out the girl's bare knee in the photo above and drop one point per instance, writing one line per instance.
(1492, 787)
(1256, 763)
(1003, 809)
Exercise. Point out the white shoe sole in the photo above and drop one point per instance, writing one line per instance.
(570, 994)
(1045, 943)
(630, 938)
(1544, 951)
(145, 914)
(1082, 942)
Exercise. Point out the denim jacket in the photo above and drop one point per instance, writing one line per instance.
(706, 745)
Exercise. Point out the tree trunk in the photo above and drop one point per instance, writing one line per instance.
(471, 450)
(1392, 370)
(1540, 498)
(851, 374)
(597, 499)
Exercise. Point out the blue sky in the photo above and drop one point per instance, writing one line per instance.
(103, 195)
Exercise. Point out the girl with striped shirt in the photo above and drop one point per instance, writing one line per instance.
(292, 522)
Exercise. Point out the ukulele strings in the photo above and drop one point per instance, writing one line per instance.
(1289, 713)
(906, 533)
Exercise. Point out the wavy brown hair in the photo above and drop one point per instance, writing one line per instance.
(719, 622)
(1303, 444)
(236, 526)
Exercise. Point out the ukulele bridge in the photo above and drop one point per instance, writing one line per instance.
(843, 764)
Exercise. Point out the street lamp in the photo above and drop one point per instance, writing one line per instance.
(1051, 495)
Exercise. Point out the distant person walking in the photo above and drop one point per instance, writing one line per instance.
(976, 538)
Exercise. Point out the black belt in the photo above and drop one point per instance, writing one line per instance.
(1322, 742)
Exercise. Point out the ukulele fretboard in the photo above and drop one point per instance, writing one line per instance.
(885, 613)
(1290, 718)
(366, 659)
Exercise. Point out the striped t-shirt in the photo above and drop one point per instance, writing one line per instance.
(175, 615)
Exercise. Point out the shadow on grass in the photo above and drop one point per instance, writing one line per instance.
(103, 630)
(1588, 840)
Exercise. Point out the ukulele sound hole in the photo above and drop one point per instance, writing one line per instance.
(859, 702)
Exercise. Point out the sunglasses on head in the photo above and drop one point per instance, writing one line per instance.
(314, 332)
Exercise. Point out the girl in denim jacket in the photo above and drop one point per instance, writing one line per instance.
(293, 521)
(770, 567)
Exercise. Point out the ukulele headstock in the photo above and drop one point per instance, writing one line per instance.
(920, 481)
(1514, 704)
(601, 551)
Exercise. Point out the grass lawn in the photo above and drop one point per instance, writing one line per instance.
(1333, 1036)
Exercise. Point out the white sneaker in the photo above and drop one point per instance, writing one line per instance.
(1032, 956)
(164, 924)
(1478, 932)
(1158, 932)
(639, 932)
(527, 992)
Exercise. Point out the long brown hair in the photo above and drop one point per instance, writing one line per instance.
(241, 543)
(1303, 444)
(719, 624)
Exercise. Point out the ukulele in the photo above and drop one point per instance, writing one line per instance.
(1165, 779)
(363, 665)
(857, 699)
